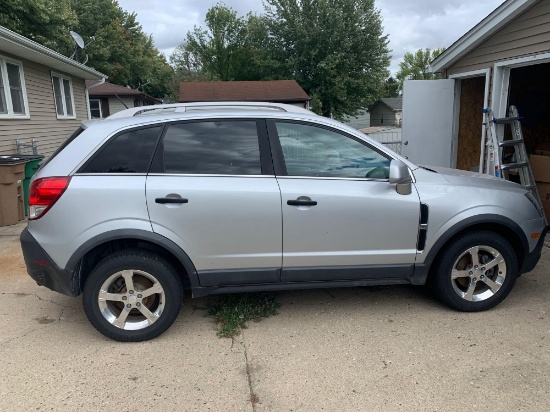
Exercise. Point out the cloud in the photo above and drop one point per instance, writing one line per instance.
(169, 21)
(429, 23)
(411, 25)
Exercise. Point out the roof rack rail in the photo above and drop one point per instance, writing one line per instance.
(199, 106)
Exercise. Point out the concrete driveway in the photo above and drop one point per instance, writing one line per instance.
(360, 349)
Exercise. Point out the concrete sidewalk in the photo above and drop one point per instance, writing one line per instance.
(359, 349)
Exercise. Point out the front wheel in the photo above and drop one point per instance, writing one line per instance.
(132, 296)
(475, 272)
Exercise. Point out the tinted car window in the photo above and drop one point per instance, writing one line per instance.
(129, 152)
(211, 147)
(315, 151)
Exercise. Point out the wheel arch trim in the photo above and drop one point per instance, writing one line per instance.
(135, 234)
(421, 271)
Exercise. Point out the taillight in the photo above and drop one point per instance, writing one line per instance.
(44, 193)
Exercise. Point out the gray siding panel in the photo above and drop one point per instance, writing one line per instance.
(527, 35)
(361, 121)
(509, 46)
(115, 105)
(43, 124)
(380, 110)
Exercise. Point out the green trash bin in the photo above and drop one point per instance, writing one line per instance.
(33, 163)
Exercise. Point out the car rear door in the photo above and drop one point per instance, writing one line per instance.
(342, 219)
(212, 191)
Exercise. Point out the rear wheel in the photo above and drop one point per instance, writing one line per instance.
(475, 272)
(132, 296)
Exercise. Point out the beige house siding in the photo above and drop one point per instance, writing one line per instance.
(527, 35)
(43, 124)
(115, 105)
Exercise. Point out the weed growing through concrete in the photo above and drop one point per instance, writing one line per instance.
(231, 312)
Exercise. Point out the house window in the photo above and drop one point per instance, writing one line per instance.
(13, 96)
(95, 109)
(63, 94)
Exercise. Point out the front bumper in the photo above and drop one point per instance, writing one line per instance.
(43, 269)
(532, 258)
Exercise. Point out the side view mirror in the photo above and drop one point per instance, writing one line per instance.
(399, 174)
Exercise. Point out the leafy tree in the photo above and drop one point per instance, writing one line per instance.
(415, 66)
(95, 15)
(121, 49)
(45, 21)
(229, 48)
(215, 49)
(391, 88)
(186, 69)
(335, 49)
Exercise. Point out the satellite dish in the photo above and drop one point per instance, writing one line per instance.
(78, 39)
(79, 44)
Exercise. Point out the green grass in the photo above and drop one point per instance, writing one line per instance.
(231, 312)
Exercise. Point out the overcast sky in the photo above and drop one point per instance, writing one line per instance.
(410, 24)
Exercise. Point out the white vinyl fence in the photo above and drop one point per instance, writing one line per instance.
(390, 138)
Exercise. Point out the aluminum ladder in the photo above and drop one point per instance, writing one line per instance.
(495, 144)
(490, 154)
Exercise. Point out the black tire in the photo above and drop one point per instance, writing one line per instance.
(481, 288)
(149, 315)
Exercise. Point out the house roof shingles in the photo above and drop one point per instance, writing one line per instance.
(110, 89)
(394, 103)
(276, 91)
(20, 46)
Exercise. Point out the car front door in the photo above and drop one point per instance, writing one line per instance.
(342, 219)
(212, 191)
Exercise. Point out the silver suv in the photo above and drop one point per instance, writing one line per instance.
(242, 197)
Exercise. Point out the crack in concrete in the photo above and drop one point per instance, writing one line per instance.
(330, 294)
(60, 317)
(196, 308)
(11, 232)
(254, 399)
(38, 297)
(25, 334)
(59, 320)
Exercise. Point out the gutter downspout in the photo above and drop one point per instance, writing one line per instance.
(102, 81)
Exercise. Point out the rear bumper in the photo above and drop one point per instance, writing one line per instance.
(532, 258)
(44, 271)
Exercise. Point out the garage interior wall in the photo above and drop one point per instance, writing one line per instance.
(470, 122)
(530, 92)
